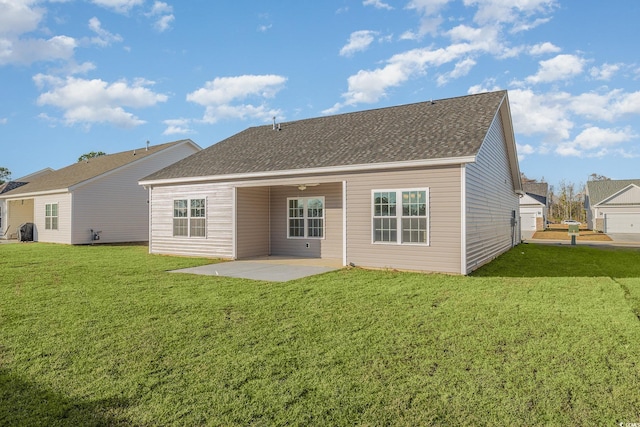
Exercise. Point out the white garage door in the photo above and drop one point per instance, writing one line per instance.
(622, 223)
(528, 221)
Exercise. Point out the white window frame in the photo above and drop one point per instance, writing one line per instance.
(306, 218)
(399, 217)
(190, 218)
(49, 219)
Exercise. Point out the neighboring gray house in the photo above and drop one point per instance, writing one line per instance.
(613, 206)
(99, 197)
(533, 207)
(431, 186)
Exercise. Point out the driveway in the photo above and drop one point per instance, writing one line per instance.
(270, 269)
(631, 238)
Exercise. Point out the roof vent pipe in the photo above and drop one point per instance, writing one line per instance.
(147, 145)
(274, 122)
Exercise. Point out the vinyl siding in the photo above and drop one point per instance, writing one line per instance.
(17, 213)
(443, 252)
(252, 222)
(3, 219)
(65, 216)
(328, 247)
(116, 205)
(218, 242)
(441, 255)
(490, 201)
(628, 196)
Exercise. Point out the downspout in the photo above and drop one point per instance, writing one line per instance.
(234, 220)
(150, 221)
(463, 219)
(344, 223)
(269, 225)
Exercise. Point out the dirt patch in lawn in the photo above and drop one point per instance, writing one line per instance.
(585, 235)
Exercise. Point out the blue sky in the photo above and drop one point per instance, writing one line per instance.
(108, 75)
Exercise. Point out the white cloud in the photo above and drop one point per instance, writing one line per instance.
(358, 41)
(605, 72)
(221, 96)
(120, 6)
(488, 86)
(525, 149)
(609, 106)
(561, 67)
(3, 120)
(164, 23)
(462, 68)
(28, 51)
(96, 101)
(526, 26)
(378, 4)
(163, 14)
(83, 68)
(543, 48)
(429, 10)
(103, 37)
(19, 17)
(543, 114)
(161, 8)
(177, 126)
(369, 86)
(595, 142)
(509, 11)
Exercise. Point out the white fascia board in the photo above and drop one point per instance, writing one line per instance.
(322, 170)
(35, 194)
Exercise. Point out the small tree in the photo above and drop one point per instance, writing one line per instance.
(5, 175)
(596, 177)
(91, 155)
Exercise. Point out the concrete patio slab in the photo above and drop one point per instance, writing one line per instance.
(277, 269)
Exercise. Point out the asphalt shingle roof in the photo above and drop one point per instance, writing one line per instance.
(82, 171)
(537, 190)
(447, 128)
(11, 185)
(600, 190)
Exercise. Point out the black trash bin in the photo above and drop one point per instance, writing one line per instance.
(25, 232)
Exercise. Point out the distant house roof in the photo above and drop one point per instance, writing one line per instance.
(34, 175)
(11, 185)
(600, 190)
(80, 172)
(442, 129)
(537, 190)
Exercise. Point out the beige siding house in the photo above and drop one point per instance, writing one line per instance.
(98, 199)
(431, 186)
(613, 205)
(533, 208)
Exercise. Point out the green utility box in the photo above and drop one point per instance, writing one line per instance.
(574, 231)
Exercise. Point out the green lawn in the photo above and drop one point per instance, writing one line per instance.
(102, 335)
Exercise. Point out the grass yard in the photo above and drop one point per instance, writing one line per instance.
(102, 335)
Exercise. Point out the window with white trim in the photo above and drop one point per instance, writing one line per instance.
(189, 218)
(305, 217)
(51, 216)
(401, 216)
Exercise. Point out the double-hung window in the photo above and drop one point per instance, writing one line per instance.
(305, 217)
(51, 216)
(189, 218)
(401, 216)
